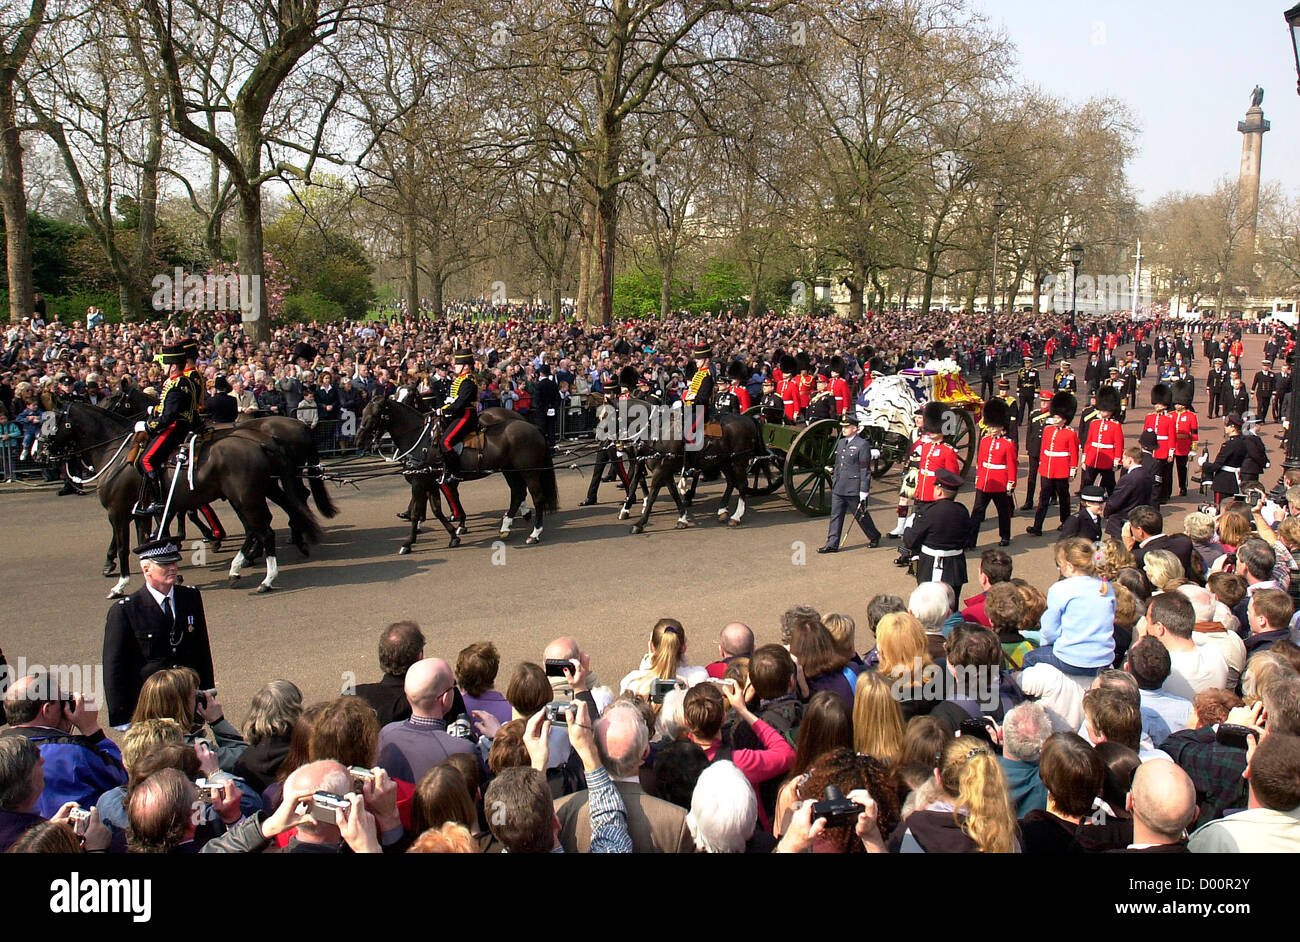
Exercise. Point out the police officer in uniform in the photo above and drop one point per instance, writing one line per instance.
(177, 414)
(851, 486)
(937, 542)
(157, 627)
(459, 414)
(1027, 384)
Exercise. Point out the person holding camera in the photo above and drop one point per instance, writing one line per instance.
(81, 763)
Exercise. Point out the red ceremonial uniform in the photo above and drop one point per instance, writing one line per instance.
(1112, 340)
(805, 386)
(1060, 454)
(1105, 444)
(840, 390)
(1162, 423)
(1049, 348)
(934, 455)
(790, 396)
(742, 394)
(1236, 349)
(1094, 343)
(996, 470)
(1186, 430)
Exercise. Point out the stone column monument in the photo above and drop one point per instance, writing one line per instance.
(1252, 146)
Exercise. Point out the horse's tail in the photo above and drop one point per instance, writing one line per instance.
(550, 501)
(320, 493)
(300, 516)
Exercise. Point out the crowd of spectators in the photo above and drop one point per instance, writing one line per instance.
(930, 725)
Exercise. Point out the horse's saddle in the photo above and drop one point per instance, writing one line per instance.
(475, 439)
(712, 429)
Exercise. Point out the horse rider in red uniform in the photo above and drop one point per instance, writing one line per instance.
(177, 415)
(191, 372)
(459, 414)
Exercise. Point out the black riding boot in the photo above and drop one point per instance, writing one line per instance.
(451, 468)
(149, 502)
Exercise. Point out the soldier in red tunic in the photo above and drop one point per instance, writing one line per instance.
(1160, 423)
(1186, 430)
(1103, 441)
(840, 386)
(933, 454)
(995, 473)
(1058, 461)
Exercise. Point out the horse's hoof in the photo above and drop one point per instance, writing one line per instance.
(232, 582)
(304, 549)
(214, 546)
(723, 516)
(681, 526)
(532, 541)
(403, 551)
(461, 529)
(264, 588)
(453, 542)
(623, 515)
(110, 571)
(733, 523)
(504, 534)
(637, 528)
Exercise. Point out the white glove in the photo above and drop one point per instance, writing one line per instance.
(862, 497)
(875, 454)
(139, 426)
(1202, 459)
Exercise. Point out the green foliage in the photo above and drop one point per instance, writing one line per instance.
(320, 258)
(311, 306)
(636, 294)
(722, 286)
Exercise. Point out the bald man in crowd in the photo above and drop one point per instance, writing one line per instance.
(656, 826)
(1162, 801)
(411, 747)
(736, 640)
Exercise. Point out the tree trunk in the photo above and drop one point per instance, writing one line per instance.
(603, 264)
(584, 265)
(252, 265)
(439, 281)
(755, 290)
(666, 289)
(411, 250)
(556, 302)
(128, 296)
(13, 196)
(856, 290)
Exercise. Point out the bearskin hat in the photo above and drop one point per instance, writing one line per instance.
(1064, 405)
(1161, 395)
(738, 371)
(804, 360)
(1108, 400)
(932, 418)
(788, 364)
(997, 414)
(837, 365)
(1181, 393)
(878, 365)
(628, 377)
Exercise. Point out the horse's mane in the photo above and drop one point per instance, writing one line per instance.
(112, 417)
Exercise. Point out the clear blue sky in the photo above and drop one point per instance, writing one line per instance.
(1186, 69)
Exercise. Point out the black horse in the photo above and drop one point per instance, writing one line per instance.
(504, 443)
(243, 468)
(727, 445)
(293, 438)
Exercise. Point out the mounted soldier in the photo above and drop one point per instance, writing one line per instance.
(175, 418)
(700, 391)
(459, 414)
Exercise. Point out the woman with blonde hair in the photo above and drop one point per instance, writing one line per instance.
(1162, 567)
(665, 660)
(970, 811)
(174, 694)
(906, 665)
(878, 728)
(1079, 623)
(1113, 557)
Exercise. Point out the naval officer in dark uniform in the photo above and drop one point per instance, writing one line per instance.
(851, 486)
(937, 542)
(160, 626)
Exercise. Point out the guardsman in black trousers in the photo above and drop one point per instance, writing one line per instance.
(1033, 447)
(938, 540)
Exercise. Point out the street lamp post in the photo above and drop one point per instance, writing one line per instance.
(1076, 259)
(999, 207)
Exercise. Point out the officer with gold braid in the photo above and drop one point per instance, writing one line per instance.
(701, 388)
(177, 413)
(460, 414)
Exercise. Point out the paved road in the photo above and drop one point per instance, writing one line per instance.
(589, 578)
